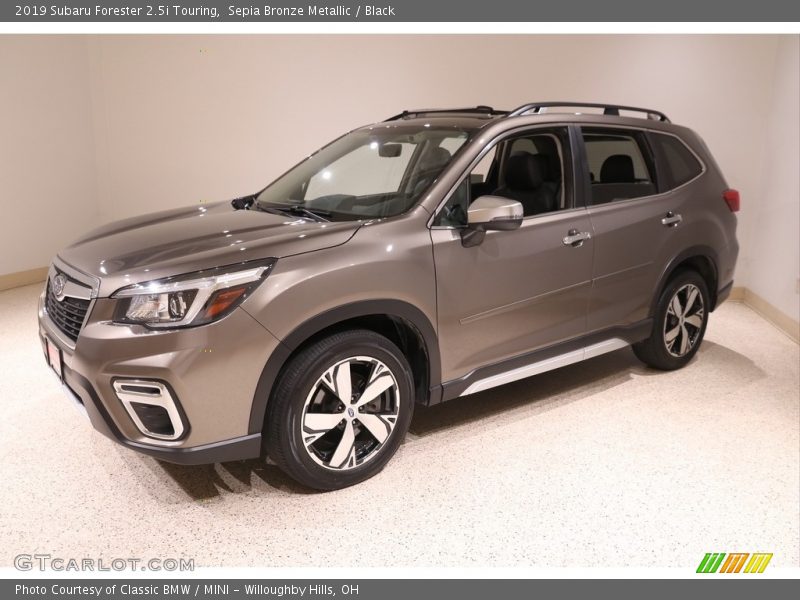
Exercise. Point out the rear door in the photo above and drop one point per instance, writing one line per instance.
(636, 227)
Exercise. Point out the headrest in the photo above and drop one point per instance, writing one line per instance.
(547, 146)
(550, 164)
(525, 171)
(617, 168)
(435, 158)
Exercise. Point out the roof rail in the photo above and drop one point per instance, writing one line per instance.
(480, 109)
(608, 109)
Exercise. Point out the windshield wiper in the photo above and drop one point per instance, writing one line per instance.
(243, 203)
(295, 209)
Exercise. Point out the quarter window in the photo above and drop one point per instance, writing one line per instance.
(677, 160)
(619, 165)
(454, 213)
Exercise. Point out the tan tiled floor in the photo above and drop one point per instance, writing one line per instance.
(603, 463)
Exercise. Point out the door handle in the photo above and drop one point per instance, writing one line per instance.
(576, 238)
(671, 219)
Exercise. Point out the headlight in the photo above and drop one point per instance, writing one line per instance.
(191, 299)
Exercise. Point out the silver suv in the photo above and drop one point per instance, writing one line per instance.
(430, 256)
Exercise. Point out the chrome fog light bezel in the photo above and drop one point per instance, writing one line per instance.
(160, 396)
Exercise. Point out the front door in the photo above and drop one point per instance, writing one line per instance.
(519, 290)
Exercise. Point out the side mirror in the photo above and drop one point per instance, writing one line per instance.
(490, 213)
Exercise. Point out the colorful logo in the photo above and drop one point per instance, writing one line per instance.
(733, 563)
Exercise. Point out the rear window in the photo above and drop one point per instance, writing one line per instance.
(677, 160)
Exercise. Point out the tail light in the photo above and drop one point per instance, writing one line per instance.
(731, 198)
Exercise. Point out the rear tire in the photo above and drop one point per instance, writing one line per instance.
(680, 323)
(340, 410)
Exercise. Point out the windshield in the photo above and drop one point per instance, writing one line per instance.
(365, 174)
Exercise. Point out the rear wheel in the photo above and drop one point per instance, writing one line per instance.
(340, 410)
(680, 323)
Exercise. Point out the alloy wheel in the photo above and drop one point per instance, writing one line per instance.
(350, 413)
(684, 320)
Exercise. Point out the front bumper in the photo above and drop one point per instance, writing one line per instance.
(213, 371)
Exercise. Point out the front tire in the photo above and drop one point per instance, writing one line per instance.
(680, 323)
(340, 410)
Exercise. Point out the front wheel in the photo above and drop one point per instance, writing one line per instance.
(340, 410)
(680, 323)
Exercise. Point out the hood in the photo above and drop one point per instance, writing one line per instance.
(189, 239)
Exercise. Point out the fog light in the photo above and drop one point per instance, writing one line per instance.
(154, 418)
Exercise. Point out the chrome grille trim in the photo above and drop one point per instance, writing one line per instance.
(68, 315)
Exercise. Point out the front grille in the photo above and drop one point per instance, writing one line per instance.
(68, 314)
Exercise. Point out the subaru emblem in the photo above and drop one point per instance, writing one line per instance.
(59, 282)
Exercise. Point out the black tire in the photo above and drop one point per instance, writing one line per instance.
(286, 427)
(667, 355)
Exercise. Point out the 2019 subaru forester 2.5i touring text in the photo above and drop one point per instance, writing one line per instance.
(433, 255)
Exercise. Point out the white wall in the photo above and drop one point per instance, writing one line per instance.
(47, 159)
(180, 119)
(207, 117)
(773, 257)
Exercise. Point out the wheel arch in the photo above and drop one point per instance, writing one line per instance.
(703, 260)
(401, 322)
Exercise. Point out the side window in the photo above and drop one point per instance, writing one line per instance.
(482, 180)
(678, 161)
(533, 169)
(619, 165)
(454, 213)
(481, 171)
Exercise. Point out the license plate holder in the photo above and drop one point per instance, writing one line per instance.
(54, 358)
